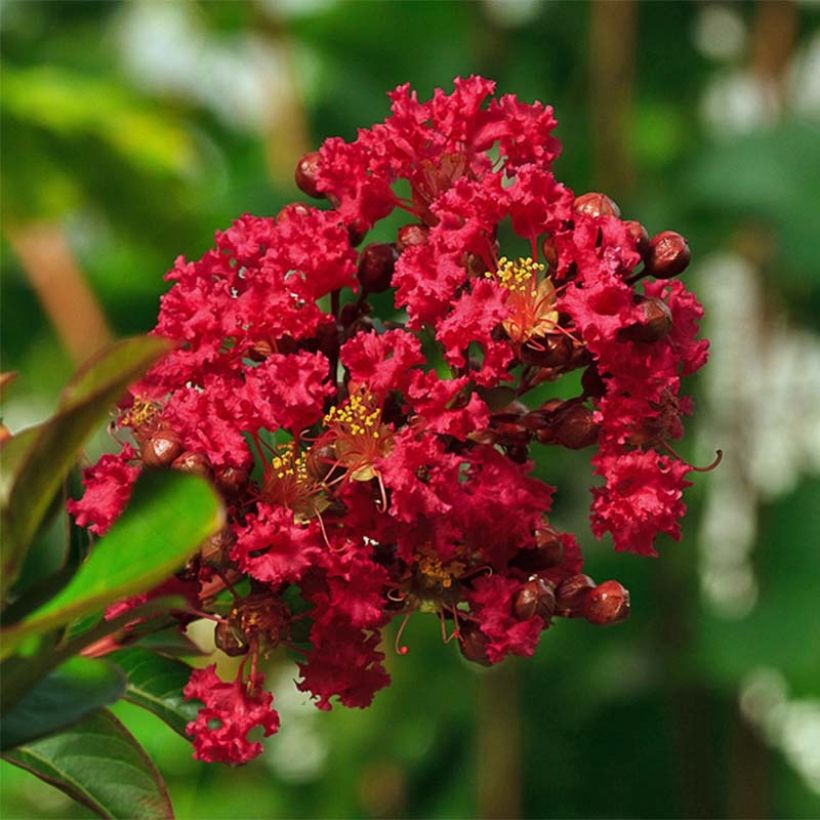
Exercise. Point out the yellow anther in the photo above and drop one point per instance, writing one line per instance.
(520, 276)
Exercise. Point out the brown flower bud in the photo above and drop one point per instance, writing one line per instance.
(592, 382)
(571, 595)
(376, 266)
(607, 604)
(321, 461)
(356, 233)
(229, 639)
(232, 480)
(668, 255)
(473, 643)
(409, 235)
(595, 204)
(306, 172)
(534, 598)
(552, 350)
(639, 234)
(654, 324)
(161, 449)
(576, 428)
(190, 462)
(550, 251)
(215, 550)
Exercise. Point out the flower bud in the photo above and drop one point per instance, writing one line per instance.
(576, 428)
(161, 449)
(654, 324)
(607, 604)
(668, 255)
(190, 462)
(376, 266)
(550, 251)
(552, 350)
(409, 235)
(229, 639)
(534, 598)
(356, 233)
(231, 480)
(321, 461)
(571, 595)
(594, 204)
(548, 552)
(592, 382)
(639, 234)
(306, 172)
(215, 550)
(473, 643)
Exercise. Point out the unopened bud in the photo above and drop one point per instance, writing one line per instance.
(161, 449)
(190, 462)
(654, 324)
(550, 251)
(534, 598)
(306, 173)
(576, 428)
(231, 480)
(548, 552)
(607, 604)
(592, 383)
(321, 461)
(595, 204)
(410, 235)
(639, 234)
(668, 255)
(376, 266)
(215, 551)
(571, 595)
(229, 639)
(473, 643)
(553, 350)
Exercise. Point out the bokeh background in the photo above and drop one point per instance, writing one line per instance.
(132, 131)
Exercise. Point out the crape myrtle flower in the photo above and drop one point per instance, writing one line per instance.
(374, 467)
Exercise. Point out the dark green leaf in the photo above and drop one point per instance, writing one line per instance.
(100, 764)
(35, 463)
(156, 683)
(170, 514)
(69, 693)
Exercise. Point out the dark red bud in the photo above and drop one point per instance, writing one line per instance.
(548, 552)
(571, 595)
(215, 550)
(655, 322)
(607, 604)
(534, 598)
(161, 449)
(356, 233)
(473, 643)
(592, 383)
(321, 461)
(409, 235)
(232, 480)
(576, 428)
(550, 251)
(306, 172)
(376, 266)
(518, 453)
(639, 234)
(668, 255)
(229, 639)
(190, 462)
(553, 350)
(595, 204)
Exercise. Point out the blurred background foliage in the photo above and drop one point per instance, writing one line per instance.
(132, 131)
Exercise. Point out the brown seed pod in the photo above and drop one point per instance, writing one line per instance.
(229, 639)
(305, 175)
(473, 643)
(534, 598)
(410, 235)
(639, 234)
(190, 462)
(232, 480)
(595, 204)
(376, 265)
(607, 604)
(654, 324)
(161, 449)
(548, 552)
(576, 428)
(571, 595)
(552, 350)
(668, 255)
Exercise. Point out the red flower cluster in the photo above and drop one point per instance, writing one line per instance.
(373, 468)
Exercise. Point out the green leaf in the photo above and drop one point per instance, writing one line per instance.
(36, 462)
(99, 763)
(170, 514)
(65, 696)
(156, 684)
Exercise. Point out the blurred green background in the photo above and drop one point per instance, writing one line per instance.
(132, 131)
